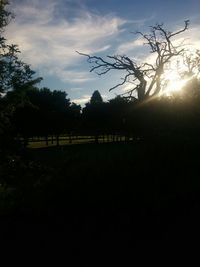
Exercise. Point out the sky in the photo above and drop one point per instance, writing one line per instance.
(50, 32)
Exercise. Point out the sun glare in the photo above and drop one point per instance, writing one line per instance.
(173, 82)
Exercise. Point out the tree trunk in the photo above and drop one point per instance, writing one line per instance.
(96, 138)
(158, 85)
(25, 141)
(46, 139)
(57, 140)
(70, 138)
(141, 90)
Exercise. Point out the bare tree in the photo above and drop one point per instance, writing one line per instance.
(191, 62)
(145, 77)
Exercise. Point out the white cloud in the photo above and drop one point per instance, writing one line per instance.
(129, 46)
(191, 38)
(50, 43)
(76, 89)
(30, 10)
(127, 87)
(86, 98)
(69, 75)
(82, 100)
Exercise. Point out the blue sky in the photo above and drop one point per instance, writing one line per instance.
(49, 32)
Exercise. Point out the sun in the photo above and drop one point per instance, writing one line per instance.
(173, 82)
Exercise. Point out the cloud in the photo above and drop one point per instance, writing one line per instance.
(76, 89)
(86, 98)
(129, 46)
(49, 42)
(69, 75)
(191, 38)
(127, 87)
(82, 100)
(33, 11)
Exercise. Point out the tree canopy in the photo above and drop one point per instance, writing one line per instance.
(96, 98)
(14, 72)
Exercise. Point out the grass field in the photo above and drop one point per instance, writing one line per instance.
(112, 192)
(34, 143)
(42, 144)
(122, 174)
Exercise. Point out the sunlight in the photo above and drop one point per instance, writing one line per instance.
(173, 82)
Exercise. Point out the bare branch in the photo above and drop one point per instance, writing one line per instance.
(120, 84)
(187, 22)
(160, 42)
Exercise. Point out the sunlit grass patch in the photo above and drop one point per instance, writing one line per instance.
(66, 141)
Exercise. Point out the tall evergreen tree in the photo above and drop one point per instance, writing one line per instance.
(96, 98)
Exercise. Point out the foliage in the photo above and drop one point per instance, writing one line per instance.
(14, 72)
(46, 112)
(15, 76)
(96, 98)
(94, 115)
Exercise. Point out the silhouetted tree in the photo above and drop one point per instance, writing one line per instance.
(46, 113)
(146, 77)
(51, 110)
(14, 72)
(94, 115)
(15, 75)
(73, 119)
(119, 110)
(96, 98)
(192, 63)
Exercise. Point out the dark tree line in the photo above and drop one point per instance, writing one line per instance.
(50, 115)
(46, 113)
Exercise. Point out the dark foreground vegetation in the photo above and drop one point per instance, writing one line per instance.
(103, 194)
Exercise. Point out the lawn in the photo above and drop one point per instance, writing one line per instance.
(63, 140)
(113, 191)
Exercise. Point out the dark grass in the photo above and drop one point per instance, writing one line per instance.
(109, 194)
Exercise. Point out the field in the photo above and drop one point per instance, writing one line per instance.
(109, 193)
(74, 140)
